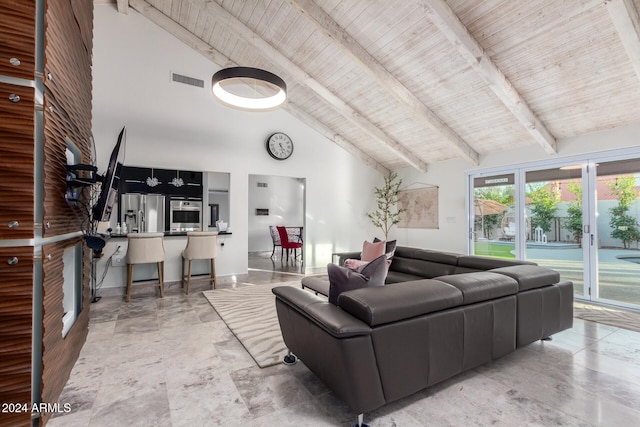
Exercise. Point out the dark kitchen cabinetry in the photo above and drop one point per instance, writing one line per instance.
(170, 182)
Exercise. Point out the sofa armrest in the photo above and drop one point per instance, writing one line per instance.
(329, 317)
(342, 256)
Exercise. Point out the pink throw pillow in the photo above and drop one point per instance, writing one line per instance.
(371, 251)
(354, 264)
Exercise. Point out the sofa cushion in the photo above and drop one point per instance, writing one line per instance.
(388, 304)
(427, 255)
(481, 286)
(319, 284)
(342, 279)
(420, 268)
(371, 251)
(396, 277)
(481, 263)
(530, 276)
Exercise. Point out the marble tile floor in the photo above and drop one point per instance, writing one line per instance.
(173, 362)
(264, 261)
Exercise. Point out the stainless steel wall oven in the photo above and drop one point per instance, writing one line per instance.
(185, 214)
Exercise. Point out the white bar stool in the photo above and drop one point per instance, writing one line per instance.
(145, 248)
(200, 245)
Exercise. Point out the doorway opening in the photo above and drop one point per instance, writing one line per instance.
(276, 201)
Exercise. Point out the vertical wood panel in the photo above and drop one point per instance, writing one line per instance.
(59, 216)
(68, 62)
(59, 354)
(67, 112)
(16, 161)
(17, 26)
(16, 301)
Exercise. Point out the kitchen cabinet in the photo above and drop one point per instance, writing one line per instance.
(134, 180)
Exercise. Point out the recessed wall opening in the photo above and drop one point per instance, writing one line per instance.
(276, 201)
(72, 286)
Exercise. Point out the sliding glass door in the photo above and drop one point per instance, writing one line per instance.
(494, 227)
(618, 232)
(581, 218)
(555, 221)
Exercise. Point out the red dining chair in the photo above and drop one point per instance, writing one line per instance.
(286, 244)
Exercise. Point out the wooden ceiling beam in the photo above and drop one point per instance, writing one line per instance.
(123, 6)
(454, 30)
(270, 53)
(626, 20)
(182, 34)
(340, 38)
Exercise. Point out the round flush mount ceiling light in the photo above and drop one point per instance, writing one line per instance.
(249, 88)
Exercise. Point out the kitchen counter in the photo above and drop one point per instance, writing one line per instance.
(168, 234)
(113, 260)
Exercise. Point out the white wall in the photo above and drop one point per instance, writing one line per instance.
(175, 126)
(283, 197)
(450, 236)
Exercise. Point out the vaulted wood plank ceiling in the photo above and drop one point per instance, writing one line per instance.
(406, 83)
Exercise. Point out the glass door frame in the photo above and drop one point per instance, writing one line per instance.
(588, 163)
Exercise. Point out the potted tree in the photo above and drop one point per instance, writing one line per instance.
(387, 214)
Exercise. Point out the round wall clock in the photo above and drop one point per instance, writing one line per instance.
(279, 146)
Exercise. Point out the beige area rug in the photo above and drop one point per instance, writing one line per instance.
(250, 313)
(609, 316)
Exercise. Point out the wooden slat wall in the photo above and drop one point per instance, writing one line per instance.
(16, 302)
(68, 62)
(59, 216)
(17, 32)
(67, 112)
(59, 354)
(17, 26)
(16, 161)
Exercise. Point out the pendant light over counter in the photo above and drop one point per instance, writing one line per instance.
(249, 88)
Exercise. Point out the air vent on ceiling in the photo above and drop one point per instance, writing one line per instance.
(187, 80)
(263, 184)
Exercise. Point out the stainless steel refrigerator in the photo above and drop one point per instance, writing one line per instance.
(143, 213)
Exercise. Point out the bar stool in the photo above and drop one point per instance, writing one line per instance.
(200, 245)
(145, 248)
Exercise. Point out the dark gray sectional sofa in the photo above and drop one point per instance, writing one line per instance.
(439, 315)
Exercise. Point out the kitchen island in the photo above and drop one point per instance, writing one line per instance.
(111, 272)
